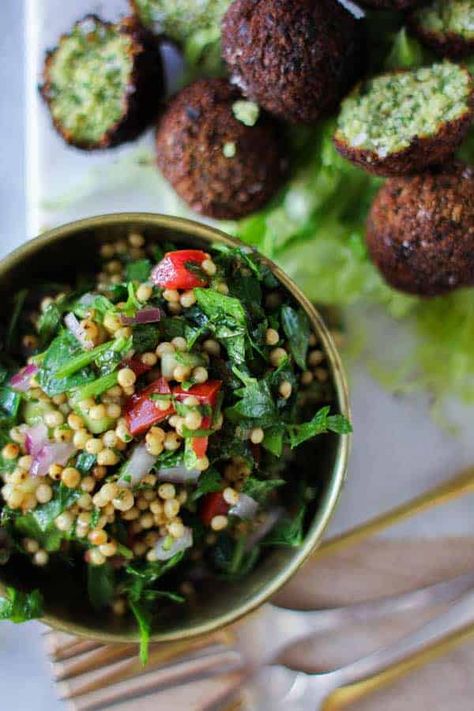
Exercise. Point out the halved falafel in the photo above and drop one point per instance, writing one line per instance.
(295, 59)
(222, 156)
(420, 231)
(446, 26)
(404, 121)
(103, 82)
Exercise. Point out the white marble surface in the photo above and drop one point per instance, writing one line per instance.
(398, 450)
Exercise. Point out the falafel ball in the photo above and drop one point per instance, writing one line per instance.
(220, 153)
(446, 26)
(103, 82)
(401, 122)
(180, 18)
(295, 59)
(420, 231)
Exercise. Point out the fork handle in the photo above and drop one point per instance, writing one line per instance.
(448, 490)
(398, 658)
(353, 692)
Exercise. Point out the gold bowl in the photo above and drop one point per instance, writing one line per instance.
(73, 248)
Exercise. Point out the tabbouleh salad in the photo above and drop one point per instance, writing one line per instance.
(151, 425)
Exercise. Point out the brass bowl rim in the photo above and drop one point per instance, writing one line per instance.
(193, 229)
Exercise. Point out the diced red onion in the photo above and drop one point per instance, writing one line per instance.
(21, 380)
(178, 475)
(78, 331)
(87, 299)
(272, 516)
(246, 507)
(163, 552)
(138, 466)
(51, 453)
(149, 315)
(36, 437)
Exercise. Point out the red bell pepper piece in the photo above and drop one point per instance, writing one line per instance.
(200, 445)
(213, 505)
(207, 393)
(137, 366)
(172, 272)
(141, 413)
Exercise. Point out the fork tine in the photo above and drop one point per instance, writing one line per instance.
(156, 680)
(60, 649)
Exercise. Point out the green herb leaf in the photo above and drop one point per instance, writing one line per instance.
(227, 320)
(100, 585)
(296, 327)
(18, 304)
(142, 615)
(39, 523)
(61, 352)
(85, 462)
(259, 489)
(256, 404)
(209, 481)
(273, 440)
(321, 423)
(288, 531)
(145, 337)
(139, 270)
(20, 606)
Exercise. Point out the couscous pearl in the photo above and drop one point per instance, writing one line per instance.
(163, 348)
(98, 412)
(98, 501)
(277, 356)
(187, 299)
(144, 292)
(231, 496)
(10, 451)
(191, 401)
(53, 419)
(107, 457)
(172, 441)
(193, 420)
(62, 434)
(315, 358)
(149, 359)
(99, 472)
(70, 477)
(88, 484)
(41, 558)
(109, 491)
(156, 506)
(321, 374)
(124, 500)
(96, 557)
(176, 529)
(142, 504)
(126, 377)
(84, 519)
(110, 439)
(112, 323)
(171, 508)
(167, 491)
(181, 373)
(257, 435)
(209, 267)
(212, 347)
(136, 239)
(94, 446)
(119, 607)
(171, 295)
(108, 549)
(80, 438)
(122, 431)
(30, 545)
(43, 493)
(285, 389)
(222, 288)
(25, 462)
(85, 502)
(130, 515)
(218, 523)
(147, 520)
(64, 521)
(75, 422)
(179, 343)
(200, 375)
(113, 411)
(175, 308)
(97, 537)
(202, 464)
(271, 337)
(151, 556)
(107, 251)
(307, 377)
(55, 471)
(182, 496)
(15, 500)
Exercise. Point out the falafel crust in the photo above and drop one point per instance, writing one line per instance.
(420, 151)
(420, 231)
(446, 27)
(295, 59)
(218, 165)
(141, 95)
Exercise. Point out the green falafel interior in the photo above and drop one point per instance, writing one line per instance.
(148, 438)
(385, 114)
(87, 79)
(447, 16)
